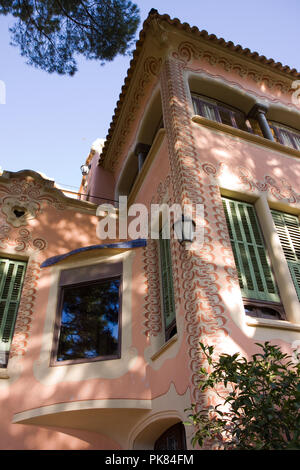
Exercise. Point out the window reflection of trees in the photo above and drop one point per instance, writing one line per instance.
(90, 321)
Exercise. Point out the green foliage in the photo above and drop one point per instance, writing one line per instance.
(259, 401)
(50, 33)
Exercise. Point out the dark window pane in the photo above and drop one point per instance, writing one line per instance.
(242, 122)
(285, 136)
(205, 109)
(226, 116)
(197, 105)
(90, 321)
(215, 111)
(262, 312)
(210, 111)
(167, 287)
(172, 439)
(296, 141)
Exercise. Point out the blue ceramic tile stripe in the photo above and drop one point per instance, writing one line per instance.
(119, 246)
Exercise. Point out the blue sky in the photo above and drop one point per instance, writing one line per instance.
(49, 122)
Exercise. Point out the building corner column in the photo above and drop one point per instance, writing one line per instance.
(204, 310)
(259, 112)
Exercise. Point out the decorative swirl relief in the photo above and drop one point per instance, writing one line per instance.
(187, 51)
(22, 241)
(211, 169)
(25, 311)
(152, 301)
(25, 241)
(151, 68)
(152, 306)
(26, 196)
(4, 235)
(279, 189)
(201, 278)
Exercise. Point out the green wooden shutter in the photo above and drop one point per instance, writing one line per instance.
(11, 280)
(254, 270)
(167, 281)
(288, 229)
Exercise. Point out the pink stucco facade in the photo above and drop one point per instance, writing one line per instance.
(128, 402)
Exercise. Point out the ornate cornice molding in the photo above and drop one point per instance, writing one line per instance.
(159, 30)
(30, 187)
(220, 43)
(187, 51)
(121, 129)
(27, 196)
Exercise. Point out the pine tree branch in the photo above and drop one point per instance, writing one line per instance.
(89, 15)
(32, 20)
(81, 25)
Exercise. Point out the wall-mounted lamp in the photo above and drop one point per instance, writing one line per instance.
(85, 170)
(184, 229)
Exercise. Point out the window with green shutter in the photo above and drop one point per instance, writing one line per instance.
(11, 280)
(254, 269)
(167, 287)
(288, 229)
